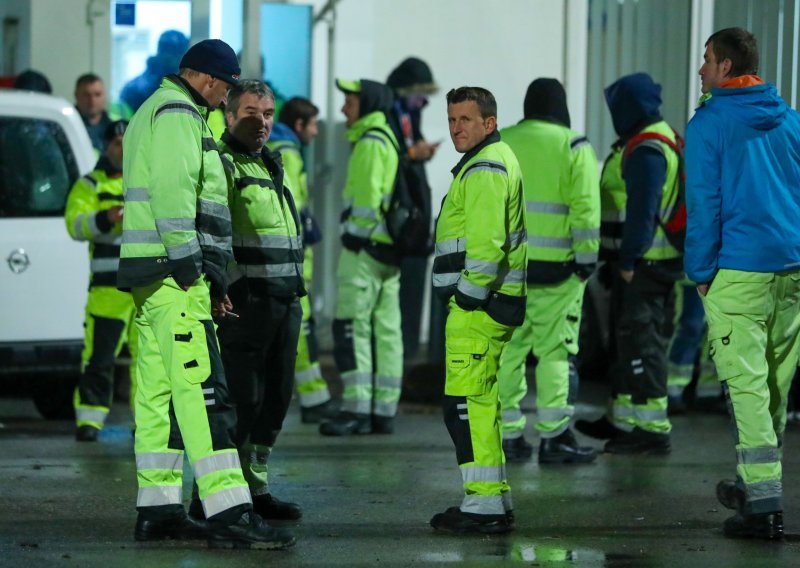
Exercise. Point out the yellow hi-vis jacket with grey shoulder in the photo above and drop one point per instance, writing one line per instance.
(481, 240)
(176, 221)
(562, 198)
(86, 220)
(267, 244)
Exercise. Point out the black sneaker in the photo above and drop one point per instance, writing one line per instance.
(730, 495)
(182, 528)
(319, 412)
(564, 448)
(454, 520)
(250, 531)
(269, 507)
(641, 442)
(382, 424)
(766, 526)
(517, 449)
(196, 508)
(346, 423)
(600, 429)
(86, 434)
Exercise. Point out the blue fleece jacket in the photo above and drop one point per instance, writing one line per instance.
(742, 184)
(634, 102)
(281, 132)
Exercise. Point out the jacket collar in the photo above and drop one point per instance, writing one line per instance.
(182, 83)
(493, 138)
(237, 146)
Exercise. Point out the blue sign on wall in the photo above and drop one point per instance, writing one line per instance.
(125, 14)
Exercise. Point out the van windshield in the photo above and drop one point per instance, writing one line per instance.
(37, 168)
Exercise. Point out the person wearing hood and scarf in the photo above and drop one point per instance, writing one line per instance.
(368, 277)
(743, 251)
(644, 274)
(559, 173)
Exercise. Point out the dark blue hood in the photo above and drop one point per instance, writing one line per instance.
(281, 132)
(634, 102)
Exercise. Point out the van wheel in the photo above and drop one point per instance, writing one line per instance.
(52, 396)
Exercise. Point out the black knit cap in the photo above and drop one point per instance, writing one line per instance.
(546, 99)
(215, 57)
(412, 76)
(114, 129)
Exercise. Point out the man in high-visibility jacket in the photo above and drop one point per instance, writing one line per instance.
(743, 251)
(94, 214)
(480, 271)
(260, 345)
(368, 304)
(645, 274)
(176, 244)
(295, 129)
(559, 173)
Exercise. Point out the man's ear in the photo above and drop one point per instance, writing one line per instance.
(298, 125)
(229, 118)
(727, 65)
(491, 124)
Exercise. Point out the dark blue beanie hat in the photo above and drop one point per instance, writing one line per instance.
(215, 57)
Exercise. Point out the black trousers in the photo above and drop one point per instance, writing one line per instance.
(643, 318)
(258, 351)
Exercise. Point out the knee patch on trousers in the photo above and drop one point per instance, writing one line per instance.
(456, 418)
(105, 338)
(344, 351)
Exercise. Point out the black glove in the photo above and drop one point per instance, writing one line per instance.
(584, 271)
(352, 243)
(218, 279)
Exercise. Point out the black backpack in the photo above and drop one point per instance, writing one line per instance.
(674, 225)
(408, 215)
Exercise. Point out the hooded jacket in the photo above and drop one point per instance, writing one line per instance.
(370, 174)
(634, 102)
(742, 184)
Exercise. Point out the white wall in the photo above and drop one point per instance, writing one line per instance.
(64, 45)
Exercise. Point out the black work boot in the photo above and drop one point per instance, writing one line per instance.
(86, 434)
(180, 528)
(517, 449)
(730, 495)
(271, 508)
(454, 520)
(564, 448)
(382, 424)
(766, 526)
(319, 412)
(346, 423)
(249, 531)
(639, 441)
(600, 429)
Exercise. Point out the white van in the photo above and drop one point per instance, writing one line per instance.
(44, 275)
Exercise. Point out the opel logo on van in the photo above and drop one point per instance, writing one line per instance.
(18, 261)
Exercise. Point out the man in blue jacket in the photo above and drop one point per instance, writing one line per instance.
(743, 251)
(647, 268)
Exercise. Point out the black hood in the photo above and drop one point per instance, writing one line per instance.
(634, 102)
(375, 96)
(546, 99)
(412, 76)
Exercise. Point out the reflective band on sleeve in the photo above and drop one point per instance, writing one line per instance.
(586, 257)
(545, 207)
(226, 499)
(137, 194)
(160, 460)
(468, 288)
(183, 250)
(612, 216)
(482, 473)
(183, 108)
(175, 224)
(104, 265)
(483, 505)
(271, 270)
(751, 456)
(451, 246)
(159, 495)
(609, 243)
(215, 463)
(482, 266)
(517, 238)
(549, 242)
(214, 209)
(91, 224)
(143, 237)
(512, 277)
(485, 166)
(445, 279)
(214, 241)
(585, 234)
(77, 227)
(109, 239)
(356, 230)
